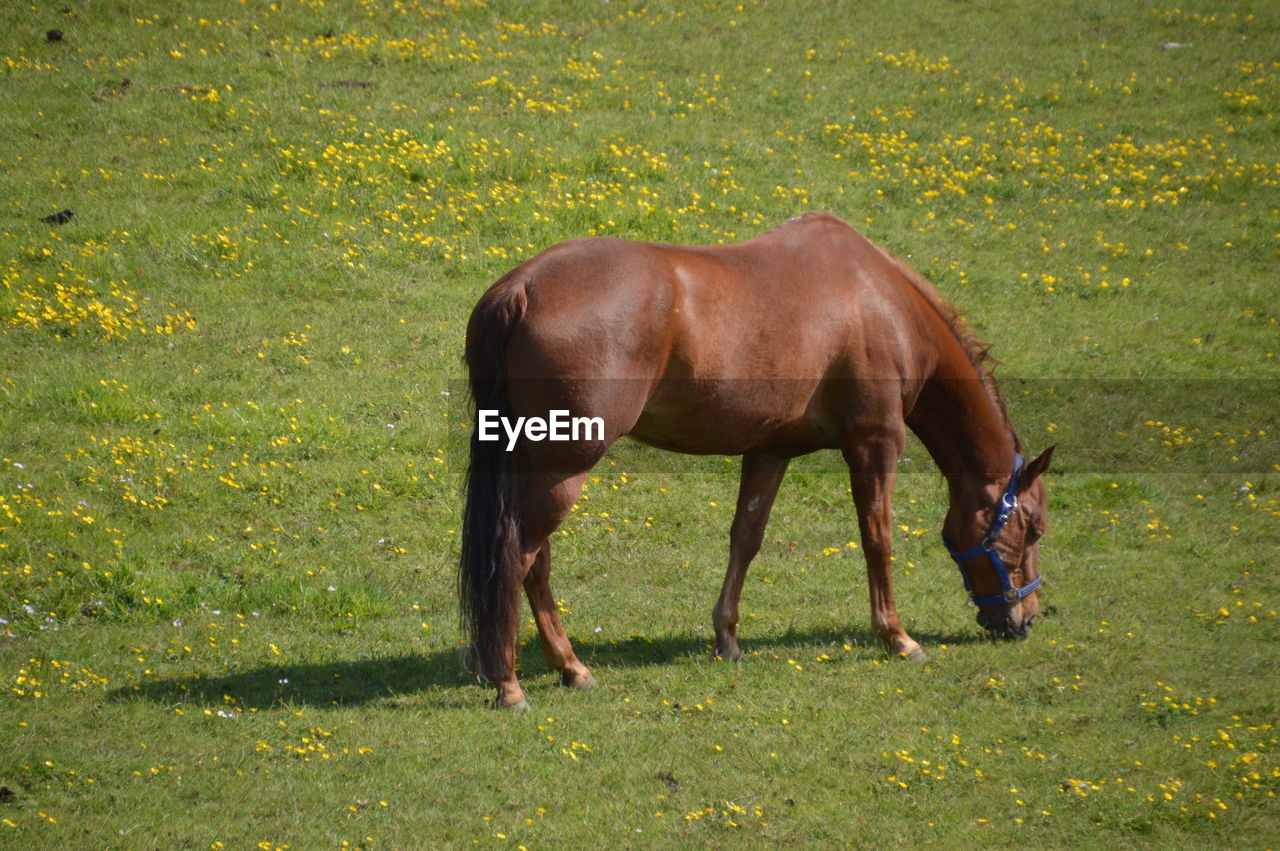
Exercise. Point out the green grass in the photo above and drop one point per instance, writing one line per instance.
(231, 424)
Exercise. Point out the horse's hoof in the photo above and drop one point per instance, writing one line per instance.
(734, 655)
(520, 705)
(917, 655)
(577, 681)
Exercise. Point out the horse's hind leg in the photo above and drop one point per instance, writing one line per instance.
(761, 476)
(555, 644)
(545, 500)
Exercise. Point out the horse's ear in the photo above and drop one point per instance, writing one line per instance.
(1036, 468)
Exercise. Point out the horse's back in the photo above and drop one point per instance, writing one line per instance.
(687, 346)
(749, 308)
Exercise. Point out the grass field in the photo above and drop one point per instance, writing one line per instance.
(231, 424)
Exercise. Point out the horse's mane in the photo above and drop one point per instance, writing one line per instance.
(975, 348)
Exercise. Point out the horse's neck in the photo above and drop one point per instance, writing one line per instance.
(968, 436)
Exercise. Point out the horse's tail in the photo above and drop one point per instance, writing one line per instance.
(487, 591)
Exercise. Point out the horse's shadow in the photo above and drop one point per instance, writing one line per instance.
(318, 685)
(638, 650)
(377, 679)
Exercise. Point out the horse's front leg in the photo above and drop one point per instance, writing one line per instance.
(872, 469)
(761, 476)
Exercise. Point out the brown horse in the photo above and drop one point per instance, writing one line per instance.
(808, 337)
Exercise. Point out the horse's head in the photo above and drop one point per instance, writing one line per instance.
(997, 546)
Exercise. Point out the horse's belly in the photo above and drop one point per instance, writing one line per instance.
(730, 417)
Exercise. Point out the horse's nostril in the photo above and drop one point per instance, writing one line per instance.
(1003, 626)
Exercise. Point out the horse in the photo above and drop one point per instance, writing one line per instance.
(806, 337)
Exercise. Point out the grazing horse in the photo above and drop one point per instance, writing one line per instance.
(807, 337)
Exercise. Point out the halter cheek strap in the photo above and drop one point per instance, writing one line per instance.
(1004, 510)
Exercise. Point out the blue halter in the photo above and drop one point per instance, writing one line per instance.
(1004, 509)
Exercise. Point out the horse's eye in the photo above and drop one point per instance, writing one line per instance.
(1033, 535)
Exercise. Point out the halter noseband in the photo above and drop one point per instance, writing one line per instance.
(1004, 509)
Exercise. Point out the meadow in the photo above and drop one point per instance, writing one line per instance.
(239, 243)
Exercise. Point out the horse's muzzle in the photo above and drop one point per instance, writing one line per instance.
(1001, 623)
